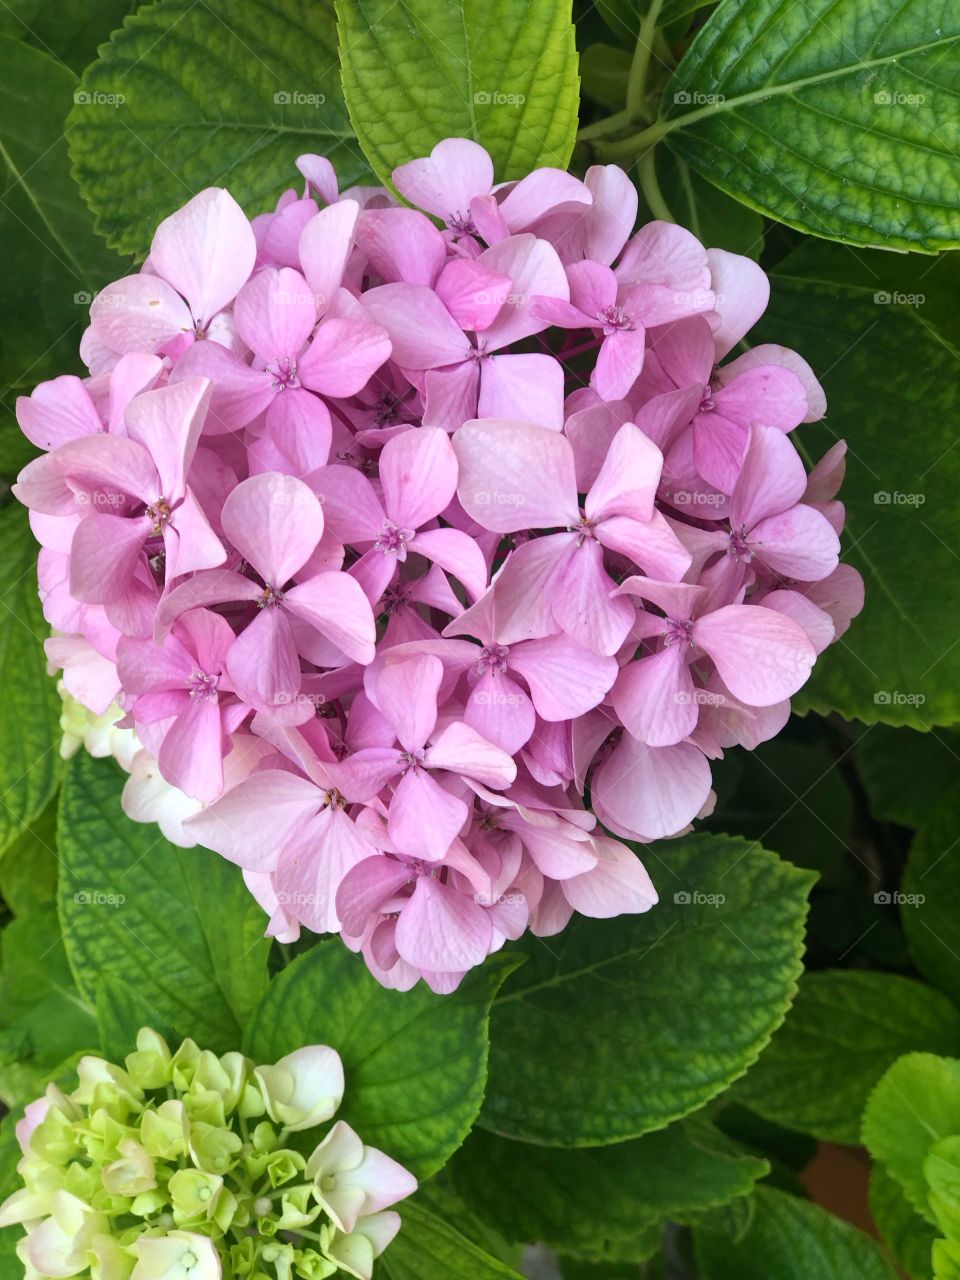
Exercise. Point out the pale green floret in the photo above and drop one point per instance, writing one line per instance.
(152, 1172)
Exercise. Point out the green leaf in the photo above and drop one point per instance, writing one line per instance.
(502, 72)
(900, 662)
(29, 705)
(791, 1239)
(915, 1104)
(427, 1248)
(846, 1027)
(621, 1026)
(28, 870)
(833, 116)
(930, 901)
(415, 1062)
(907, 773)
(44, 1020)
(713, 217)
(584, 1201)
(70, 30)
(53, 262)
(604, 71)
(178, 925)
(225, 93)
(907, 1235)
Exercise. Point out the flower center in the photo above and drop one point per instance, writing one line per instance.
(392, 541)
(284, 371)
(462, 224)
(709, 401)
(271, 596)
(614, 318)
(739, 548)
(679, 631)
(159, 513)
(493, 658)
(412, 759)
(203, 688)
(584, 530)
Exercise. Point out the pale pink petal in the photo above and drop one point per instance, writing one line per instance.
(771, 480)
(263, 663)
(365, 888)
(500, 711)
(649, 793)
(566, 680)
(583, 603)
(418, 471)
(275, 522)
(618, 885)
(343, 356)
(239, 394)
(462, 750)
(816, 622)
(275, 313)
(652, 544)
(325, 244)
(351, 508)
(524, 589)
(423, 333)
(189, 541)
(336, 606)
(134, 373)
(515, 475)
(450, 395)
(139, 313)
(655, 698)
(298, 433)
(191, 756)
(441, 929)
(104, 556)
(57, 411)
(619, 363)
(762, 656)
(445, 182)
(542, 192)
(168, 422)
(314, 864)
(742, 293)
(457, 553)
(627, 482)
(800, 544)
(608, 223)
(664, 254)
(535, 269)
(206, 250)
(424, 819)
(527, 387)
(406, 693)
(472, 292)
(401, 245)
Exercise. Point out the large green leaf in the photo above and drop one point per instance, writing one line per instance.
(908, 1236)
(178, 925)
(415, 1062)
(70, 29)
(428, 1248)
(43, 1019)
(907, 773)
(845, 1029)
(29, 705)
(915, 1104)
(834, 116)
(882, 365)
(226, 93)
(618, 1027)
(930, 897)
(52, 261)
(584, 1201)
(503, 72)
(791, 1239)
(28, 871)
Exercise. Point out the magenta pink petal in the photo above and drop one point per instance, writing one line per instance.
(206, 250)
(424, 819)
(515, 475)
(343, 356)
(418, 471)
(139, 313)
(336, 606)
(275, 313)
(263, 663)
(441, 929)
(325, 244)
(461, 750)
(524, 386)
(275, 522)
(423, 333)
(647, 793)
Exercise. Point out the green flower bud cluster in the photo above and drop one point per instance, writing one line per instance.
(183, 1166)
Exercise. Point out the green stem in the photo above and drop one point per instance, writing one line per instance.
(651, 188)
(640, 67)
(627, 148)
(604, 128)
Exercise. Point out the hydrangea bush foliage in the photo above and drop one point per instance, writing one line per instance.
(423, 516)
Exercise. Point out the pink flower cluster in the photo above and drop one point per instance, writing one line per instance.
(426, 551)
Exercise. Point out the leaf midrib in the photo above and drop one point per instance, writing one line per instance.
(667, 124)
